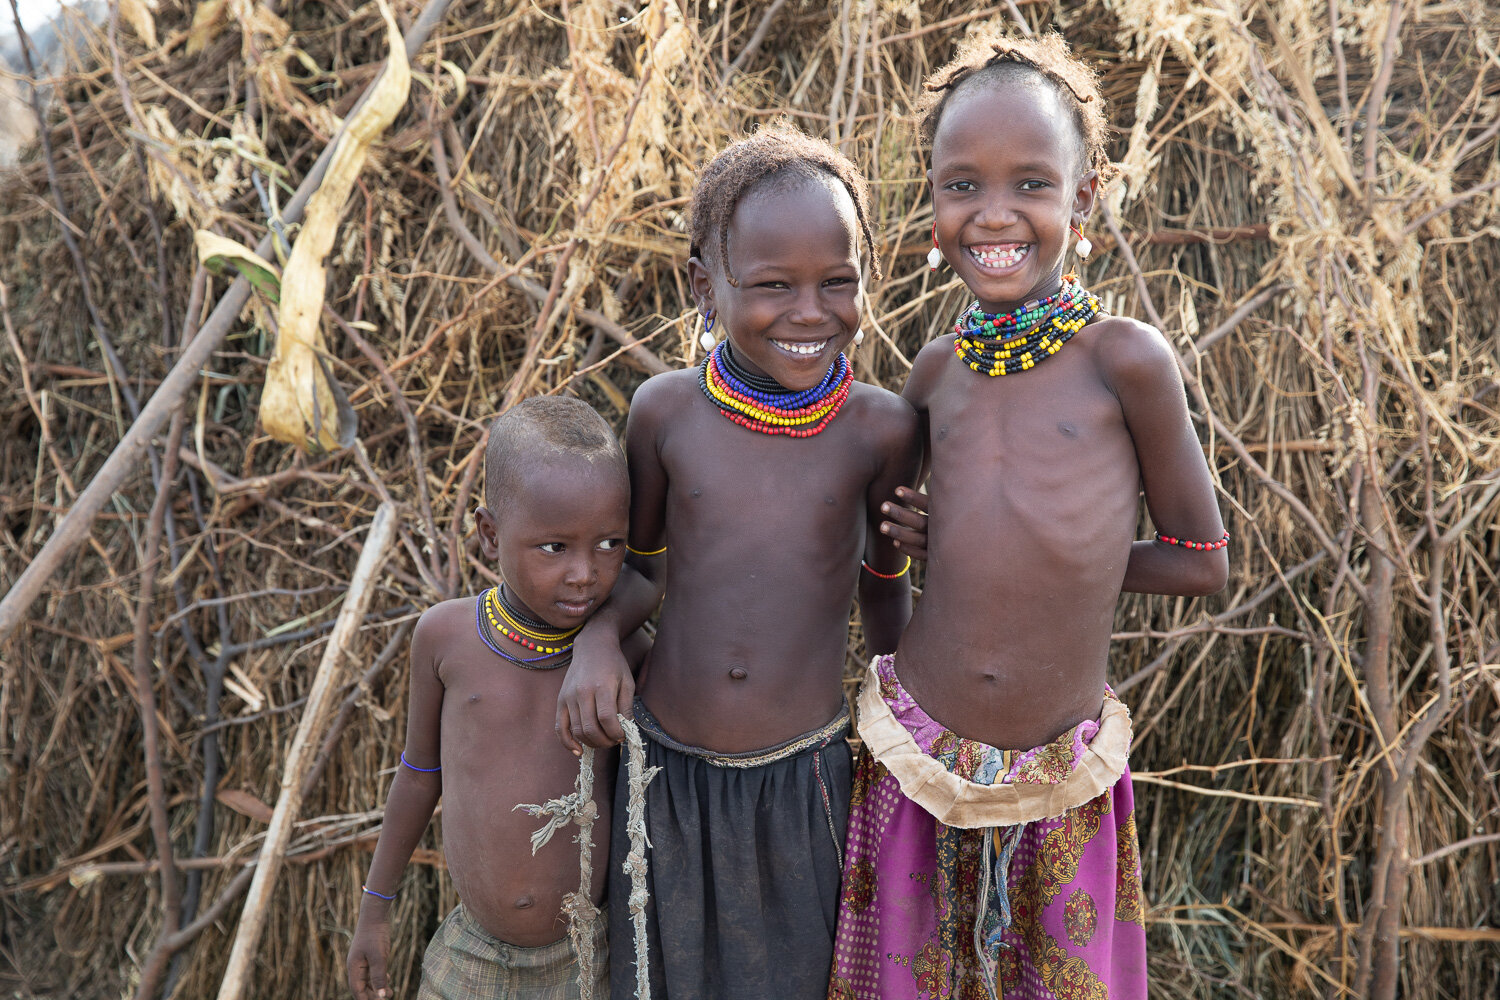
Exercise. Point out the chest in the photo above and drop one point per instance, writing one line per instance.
(730, 472)
(1057, 412)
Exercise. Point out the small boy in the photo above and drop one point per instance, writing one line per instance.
(764, 471)
(485, 674)
(992, 845)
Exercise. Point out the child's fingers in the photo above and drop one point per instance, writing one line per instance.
(610, 708)
(377, 977)
(586, 726)
(907, 541)
(359, 976)
(913, 498)
(564, 728)
(906, 517)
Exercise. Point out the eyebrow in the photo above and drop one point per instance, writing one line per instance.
(1036, 166)
(774, 269)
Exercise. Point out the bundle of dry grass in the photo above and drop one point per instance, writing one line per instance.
(1308, 208)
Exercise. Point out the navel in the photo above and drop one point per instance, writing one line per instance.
(1067, 429)
(473, 698)
(525, 903)
(696, 493)
(738, 673)
(830, 501)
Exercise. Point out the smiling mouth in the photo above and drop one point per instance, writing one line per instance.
(999, 255)
(799, 349)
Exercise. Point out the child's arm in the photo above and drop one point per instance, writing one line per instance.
(600, 684)
(1143, 372)
(884, 580)
(905, 516)
(408, 809)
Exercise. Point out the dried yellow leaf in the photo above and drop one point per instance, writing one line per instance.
(301, 401)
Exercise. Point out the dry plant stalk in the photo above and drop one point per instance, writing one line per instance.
(579, 907)
(299, 758)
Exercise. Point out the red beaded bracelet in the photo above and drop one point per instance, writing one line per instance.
(1196, 546)
(886, 576)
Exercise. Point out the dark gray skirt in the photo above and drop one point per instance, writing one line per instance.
(745, 854)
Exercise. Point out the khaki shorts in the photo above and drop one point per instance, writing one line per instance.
(464, 962)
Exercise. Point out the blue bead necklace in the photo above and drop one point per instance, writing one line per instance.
(768, 390)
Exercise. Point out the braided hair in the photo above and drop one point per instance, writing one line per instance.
(780, 154)
(990, 55)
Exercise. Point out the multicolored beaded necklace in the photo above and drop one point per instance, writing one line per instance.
(494, 612)
(763, 405)
(1003, 343)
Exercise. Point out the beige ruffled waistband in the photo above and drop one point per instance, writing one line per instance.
(958, 802)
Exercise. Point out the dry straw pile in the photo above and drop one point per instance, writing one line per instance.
(1308, 209)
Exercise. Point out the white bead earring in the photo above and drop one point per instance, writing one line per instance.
(1084, 246)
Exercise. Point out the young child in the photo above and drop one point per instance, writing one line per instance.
(484, 685)
(763, 469)
(992, 847)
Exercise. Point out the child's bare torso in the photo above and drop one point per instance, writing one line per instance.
(765, 538)
(1034, 499)
(499, 749)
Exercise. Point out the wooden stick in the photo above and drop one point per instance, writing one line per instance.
(304, 746)
(127, 457)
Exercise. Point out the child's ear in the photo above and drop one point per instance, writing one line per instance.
(701, 281)
(489, 533)
(1085, 197)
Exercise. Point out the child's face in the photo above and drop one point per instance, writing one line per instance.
(795, 253)
(559, 539)
(1008, 180)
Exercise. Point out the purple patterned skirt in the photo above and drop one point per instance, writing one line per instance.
(974, 873)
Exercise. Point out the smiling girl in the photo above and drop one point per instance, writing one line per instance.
(756, 483)
(992, 844)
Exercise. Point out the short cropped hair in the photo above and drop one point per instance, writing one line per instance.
(990, 54)
(540, 427)
(776, 152)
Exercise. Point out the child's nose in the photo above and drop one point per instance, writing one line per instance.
(810, 309)
(997, 212)
(581, 571)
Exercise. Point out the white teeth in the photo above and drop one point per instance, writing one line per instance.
(805, 349)
(999, 258)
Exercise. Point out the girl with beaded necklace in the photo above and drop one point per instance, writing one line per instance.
(756, 483)
(992, 848)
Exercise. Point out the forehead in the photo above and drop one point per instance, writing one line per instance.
(562, 488)
(1015, 102)
(786, 216)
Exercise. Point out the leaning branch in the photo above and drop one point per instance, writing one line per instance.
(125, 460)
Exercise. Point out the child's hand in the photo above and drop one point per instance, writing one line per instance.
(907, 526)
(599, 686)
(368, 953)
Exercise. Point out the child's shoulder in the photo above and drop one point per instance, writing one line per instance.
(931, 361)
(444, 623)
(880, 410)
(1130, 351)
(666, 392)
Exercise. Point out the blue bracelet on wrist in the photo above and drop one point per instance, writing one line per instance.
(424, 770)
